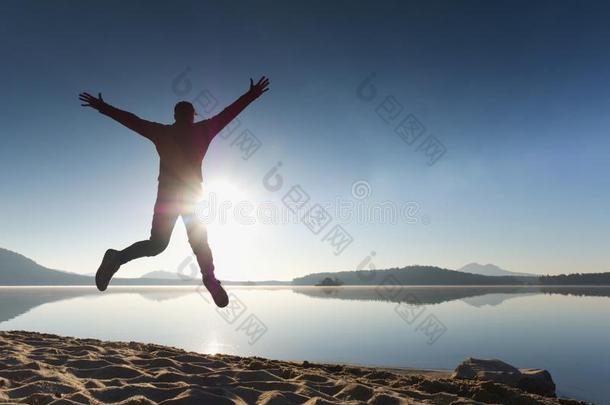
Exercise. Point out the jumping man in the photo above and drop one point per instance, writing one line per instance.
(181, 147)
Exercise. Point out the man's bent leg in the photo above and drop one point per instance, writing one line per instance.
(164, 218)
(198, 239)
(167, 209)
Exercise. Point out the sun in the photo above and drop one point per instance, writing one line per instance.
(224, 191)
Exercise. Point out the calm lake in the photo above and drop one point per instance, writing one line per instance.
(565, 330)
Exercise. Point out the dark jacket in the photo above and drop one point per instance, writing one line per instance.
(181, 148)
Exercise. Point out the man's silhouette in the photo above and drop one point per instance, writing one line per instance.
(181, 147)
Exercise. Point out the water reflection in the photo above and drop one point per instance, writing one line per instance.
(518, 324)
(15, 301)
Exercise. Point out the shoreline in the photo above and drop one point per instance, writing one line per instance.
(51, 369)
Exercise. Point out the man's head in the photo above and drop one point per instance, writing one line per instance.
(184, 112)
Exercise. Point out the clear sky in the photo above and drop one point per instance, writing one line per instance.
(517, 93)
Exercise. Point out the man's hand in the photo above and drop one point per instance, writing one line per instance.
(90, 101)
(259, 88)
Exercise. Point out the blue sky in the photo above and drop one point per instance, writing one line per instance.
(517, 93)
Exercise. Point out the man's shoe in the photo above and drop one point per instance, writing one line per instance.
(221, 299)
(110, 265)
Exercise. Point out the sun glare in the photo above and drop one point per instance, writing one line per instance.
(224, 191)
(230, 229)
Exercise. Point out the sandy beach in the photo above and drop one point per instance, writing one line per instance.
(40, 368)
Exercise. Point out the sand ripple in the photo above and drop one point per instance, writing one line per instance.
(46, 369)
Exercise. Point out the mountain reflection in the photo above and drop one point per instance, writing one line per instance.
(421, 295)
(15, 301)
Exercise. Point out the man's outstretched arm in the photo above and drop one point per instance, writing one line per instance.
(131, 121)
(222, 119)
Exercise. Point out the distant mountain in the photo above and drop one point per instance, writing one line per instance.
(413, 275)
(166, 275)
(16, 269)
(161, 274)
(430, 275)
(491, 270)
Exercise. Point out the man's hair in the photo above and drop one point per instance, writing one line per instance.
(183, 107)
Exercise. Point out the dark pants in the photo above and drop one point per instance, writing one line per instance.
(174, 200)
